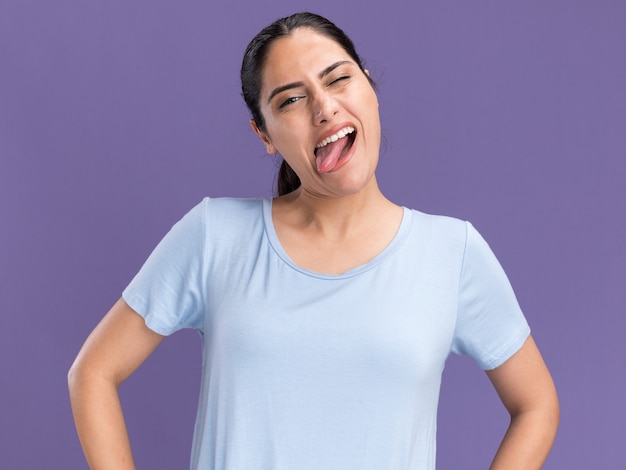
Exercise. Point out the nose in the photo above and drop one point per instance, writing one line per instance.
(324, 108)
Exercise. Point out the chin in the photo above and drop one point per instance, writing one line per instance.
(352, 183)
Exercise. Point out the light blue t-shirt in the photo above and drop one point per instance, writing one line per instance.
(308, 371)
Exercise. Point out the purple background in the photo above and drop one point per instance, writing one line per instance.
(117, 117)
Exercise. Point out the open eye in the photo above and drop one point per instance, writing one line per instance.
(288, 101)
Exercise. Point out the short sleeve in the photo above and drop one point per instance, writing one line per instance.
(169, 290)
(490, 325)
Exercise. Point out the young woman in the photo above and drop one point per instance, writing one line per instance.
(327, 313)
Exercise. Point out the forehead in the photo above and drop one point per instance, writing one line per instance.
(304, 52)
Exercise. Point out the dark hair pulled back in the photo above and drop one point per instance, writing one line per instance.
(254, 61)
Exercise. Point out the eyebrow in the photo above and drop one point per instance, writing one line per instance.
(321, 75)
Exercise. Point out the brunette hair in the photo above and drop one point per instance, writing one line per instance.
(254, 61)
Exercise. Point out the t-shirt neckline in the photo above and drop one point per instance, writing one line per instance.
(392, 247)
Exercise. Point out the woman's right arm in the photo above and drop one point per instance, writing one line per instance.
(115, 349)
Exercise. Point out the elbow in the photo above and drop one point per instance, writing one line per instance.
(543, 415)
(86, 378)
(79, 377)
(74, 375)
(550, 419)
(551, 409)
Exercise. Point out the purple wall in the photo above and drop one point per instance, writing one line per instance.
(117, 117)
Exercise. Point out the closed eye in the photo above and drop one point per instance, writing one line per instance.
(340, 79)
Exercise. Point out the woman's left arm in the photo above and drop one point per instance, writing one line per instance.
(526, 389)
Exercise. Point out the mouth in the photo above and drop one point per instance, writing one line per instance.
(330, 151)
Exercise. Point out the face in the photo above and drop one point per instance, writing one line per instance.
(321, 114)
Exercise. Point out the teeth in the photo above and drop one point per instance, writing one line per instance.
(335, 137)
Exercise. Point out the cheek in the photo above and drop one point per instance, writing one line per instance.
(372, 117)
(290, 133)
(368, 103)
(291, 145)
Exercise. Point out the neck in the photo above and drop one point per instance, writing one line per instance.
(335, 216)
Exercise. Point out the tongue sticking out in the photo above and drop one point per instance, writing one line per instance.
(327, 157)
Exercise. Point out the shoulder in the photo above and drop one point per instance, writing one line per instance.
(231, 205)
(437, 241)
(223, 211)
(443, 228)
(229, 220)
(211, 211)
(455, 236)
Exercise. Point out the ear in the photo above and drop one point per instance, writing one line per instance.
(269, 148)
(367, 72)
